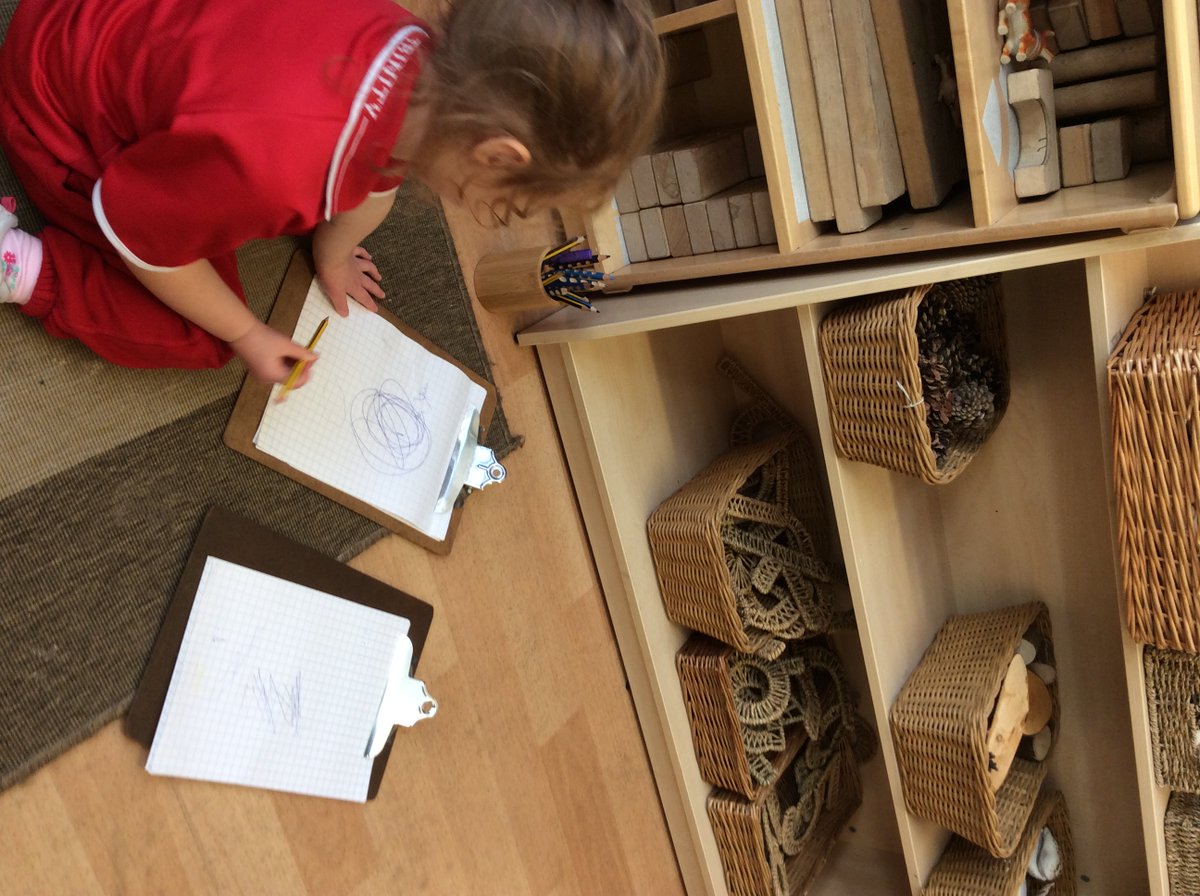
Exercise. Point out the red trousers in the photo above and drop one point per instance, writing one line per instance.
(84, 290)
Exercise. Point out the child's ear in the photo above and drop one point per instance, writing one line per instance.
(501, 152)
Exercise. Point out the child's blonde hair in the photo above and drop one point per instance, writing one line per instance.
(578, 82)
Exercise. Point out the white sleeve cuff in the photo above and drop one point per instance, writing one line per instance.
(102, 220)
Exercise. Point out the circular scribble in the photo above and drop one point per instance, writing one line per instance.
(390, 430)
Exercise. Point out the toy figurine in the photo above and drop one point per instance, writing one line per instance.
(1021, 40)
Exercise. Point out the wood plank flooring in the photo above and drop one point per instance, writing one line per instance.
(532, 779)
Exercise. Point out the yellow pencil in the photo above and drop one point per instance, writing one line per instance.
(299, 366)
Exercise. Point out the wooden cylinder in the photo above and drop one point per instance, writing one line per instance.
(1104, 60)
(1108, 95)
(512, 281)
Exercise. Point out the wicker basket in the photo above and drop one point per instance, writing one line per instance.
(1181, 827)
(1154, 386)
(1173, 707)
(738, 826)
(939, 724)
(869, 357)
(689, 553)
(705, 671)
(966, 870)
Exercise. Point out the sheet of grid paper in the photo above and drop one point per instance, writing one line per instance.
(276, 685)
(379, 417)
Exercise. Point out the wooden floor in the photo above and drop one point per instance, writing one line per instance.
(531, 779)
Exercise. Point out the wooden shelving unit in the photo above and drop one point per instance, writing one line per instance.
(1031, 518)
(982, 210)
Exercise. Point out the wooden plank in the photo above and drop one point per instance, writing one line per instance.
(709, 164)
(912, 34)
(987, 120)
(642, 170)
(805, 111)
(626, 193)
(720, 223)
(877, 165)
(851, 215)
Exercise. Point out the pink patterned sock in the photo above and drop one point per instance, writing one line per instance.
(20, 262)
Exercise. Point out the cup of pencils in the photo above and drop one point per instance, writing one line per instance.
(540, 279)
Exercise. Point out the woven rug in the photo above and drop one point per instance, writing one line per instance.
(106, 474)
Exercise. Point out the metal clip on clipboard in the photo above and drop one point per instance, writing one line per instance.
(405, 700)
(471, 465)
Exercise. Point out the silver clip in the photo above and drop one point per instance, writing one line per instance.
(471, 465)
(405, 700)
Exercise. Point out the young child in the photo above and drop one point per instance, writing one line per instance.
(157, 136)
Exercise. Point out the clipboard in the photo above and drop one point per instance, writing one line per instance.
(228, 536)
(253, 397)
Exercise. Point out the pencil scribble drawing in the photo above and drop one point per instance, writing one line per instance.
(279, 704)
(390, 428)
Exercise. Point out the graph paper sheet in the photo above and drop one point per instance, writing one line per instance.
(276, 685)
(378, 418)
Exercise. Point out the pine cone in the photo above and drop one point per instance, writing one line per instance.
(972, 407)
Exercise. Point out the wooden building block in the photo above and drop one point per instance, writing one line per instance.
(681, 112)
(851, 215)
(1105, 60)
(710, 164)
(911, 34)
(741, 213)
(1138, 17)
(764, 216)
(1031, 95)
(754, 156)
(675, 224)
(720, 224)
(686, 55)
(1075, 155)
(666, 181)
(644, 186)
(805, 112)
(1112, 148)
(1151, 137)
(699, 230)
(1070, 24)
(631, 231)
(877, 164)
(1103, 20)
(1094, 98)
(626, 194)
(654, 232)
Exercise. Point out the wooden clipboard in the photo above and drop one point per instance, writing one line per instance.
(230, 537)
(252, 401)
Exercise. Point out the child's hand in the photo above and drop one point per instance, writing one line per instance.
(270, 356)
(355, 276)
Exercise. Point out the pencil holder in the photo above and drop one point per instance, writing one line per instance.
(507, 282)
(965, 868)
(940, 725)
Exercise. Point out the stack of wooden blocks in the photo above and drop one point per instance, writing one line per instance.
(698, 194)
(1109, 93)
